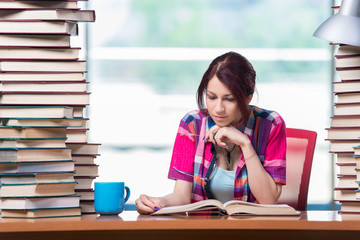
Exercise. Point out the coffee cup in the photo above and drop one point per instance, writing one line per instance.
(110, 197)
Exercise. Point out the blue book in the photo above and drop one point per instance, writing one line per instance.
(32, 132)
(41, 213)
(40, 202)
(31, 178)
(34, 143)
(38, 189)
(37, 167)
(34, 154)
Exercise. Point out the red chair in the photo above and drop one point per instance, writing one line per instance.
(299, 156)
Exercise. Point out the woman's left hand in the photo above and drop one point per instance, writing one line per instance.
(223, 135)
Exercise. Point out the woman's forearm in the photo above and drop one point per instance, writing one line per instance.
(180, 196)
(262, 185)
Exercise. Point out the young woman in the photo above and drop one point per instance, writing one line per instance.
(228, 149)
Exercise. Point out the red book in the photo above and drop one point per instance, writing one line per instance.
(45, 98)
(48, 14)
(38, 53)
(35, 40)
(38, 27)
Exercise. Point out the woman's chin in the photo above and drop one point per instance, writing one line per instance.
(221, 124)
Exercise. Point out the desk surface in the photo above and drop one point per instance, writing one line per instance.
(130, 225)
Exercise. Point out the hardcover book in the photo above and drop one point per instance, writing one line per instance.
(233, 207)
(22, 178)
(85, 194)
(87, 207)
(44, 122)
(348, 73)
(43, 86)
(347, 181)
(35, 40)
(345, 194)
(347, 108)
(347, 168)
(84, 159)
(40, 202)
(36, 112)
(37, 167)
(35, 154)
(44, 98)
(42, 66)
(38, 27)
(347, 86)
(22, 5)
(348, 206)
(33, 143)
(87, 170)
(345, 121)
(32, 132)
(343, 133)
(343, 146)
(37, 189)
(41, 213)
(347, 97)
(84, 148)
(41, 76)
(39, 53)
(84, 182)
(74, 15)
(76, 135)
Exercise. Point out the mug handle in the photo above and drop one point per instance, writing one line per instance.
(127, 194)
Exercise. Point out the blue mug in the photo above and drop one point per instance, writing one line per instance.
(110, 197)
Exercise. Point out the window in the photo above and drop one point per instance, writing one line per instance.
(146, 59)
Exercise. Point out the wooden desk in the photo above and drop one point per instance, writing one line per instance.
(129, 225)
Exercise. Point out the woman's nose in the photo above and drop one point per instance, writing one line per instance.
(219, 108)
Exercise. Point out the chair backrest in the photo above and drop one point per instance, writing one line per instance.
(299, 156)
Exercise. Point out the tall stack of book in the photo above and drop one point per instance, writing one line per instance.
(42, 100)
(84, 155)
(344, 133)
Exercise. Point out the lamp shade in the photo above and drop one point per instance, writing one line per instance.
(343, 27)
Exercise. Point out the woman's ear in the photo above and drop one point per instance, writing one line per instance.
(249, 98)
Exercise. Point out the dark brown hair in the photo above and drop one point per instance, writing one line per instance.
(237, 74)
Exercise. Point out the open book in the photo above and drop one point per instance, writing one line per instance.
(233, 207)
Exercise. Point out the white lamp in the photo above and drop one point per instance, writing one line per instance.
(343, 27)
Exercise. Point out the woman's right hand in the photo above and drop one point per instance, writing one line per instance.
(146, 205)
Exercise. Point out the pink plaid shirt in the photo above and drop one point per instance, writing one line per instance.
(193, 158)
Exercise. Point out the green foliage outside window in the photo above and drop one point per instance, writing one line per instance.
(210, 24)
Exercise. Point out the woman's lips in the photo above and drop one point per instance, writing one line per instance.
(219, 118)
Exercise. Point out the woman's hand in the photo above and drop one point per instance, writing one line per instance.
(222, 136)
(145, 204)
(181, 195)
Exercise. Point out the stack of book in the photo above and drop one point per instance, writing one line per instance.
(43, 94)
(84, 155)
(344, 133)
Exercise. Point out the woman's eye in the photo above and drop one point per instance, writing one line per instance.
(230, 99)
(211, 97)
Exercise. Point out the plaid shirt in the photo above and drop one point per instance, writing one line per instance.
(193, 159)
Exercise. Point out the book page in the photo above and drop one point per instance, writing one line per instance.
(238, 202)
(202, 205)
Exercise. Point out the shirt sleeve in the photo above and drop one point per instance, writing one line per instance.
(275, 156)
(182, 160)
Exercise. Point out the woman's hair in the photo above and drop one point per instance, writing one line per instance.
(237, 74)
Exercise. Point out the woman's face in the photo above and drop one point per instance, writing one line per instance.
(220, 102)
